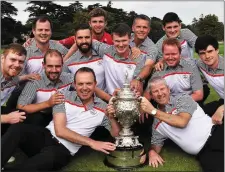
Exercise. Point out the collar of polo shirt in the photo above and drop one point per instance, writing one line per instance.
(79, 55)
(47, 81)
(144, 43)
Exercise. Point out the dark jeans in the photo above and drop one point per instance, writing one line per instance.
(44, 152)
(211, 157)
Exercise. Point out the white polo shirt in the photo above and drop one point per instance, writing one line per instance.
(193, 137)
(79, 118)
(215, 77)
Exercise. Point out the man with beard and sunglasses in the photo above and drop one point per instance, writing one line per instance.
(85, 56)
(39, 96)
(42, 30)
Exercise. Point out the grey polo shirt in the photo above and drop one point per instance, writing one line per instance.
(34, 59)
(78, 60)
(147, 47)
(187, 39)
(38, 91)
(215, 77)
(184, 78)
(7, 87)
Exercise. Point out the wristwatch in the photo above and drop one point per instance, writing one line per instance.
(153, 112)
(139, 79)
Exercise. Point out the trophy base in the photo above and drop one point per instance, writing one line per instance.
(125, 158)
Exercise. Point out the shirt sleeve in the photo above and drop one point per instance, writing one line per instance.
(62, 49)
(152, 52)
(196, 81)
(185, 103)
(190, 37)
(67, 41)
(28, 94)
(157, 138)
(59, 108)
(101, 48)
(106, 123)
(140, 64)
(159, 48)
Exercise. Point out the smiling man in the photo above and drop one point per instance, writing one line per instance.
(211, 64)
(180, 119)
(117, 60)
(39, 96)
(97, 23)
(12, 62)
(42, 30)
(172, 28)
(141, 28)
(74, 120)
(181, 75)
(86, 56)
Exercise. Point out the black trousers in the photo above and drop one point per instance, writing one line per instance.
(44, 152)
(211, 157)
(5, 110)
(210, 108)
(39, 118)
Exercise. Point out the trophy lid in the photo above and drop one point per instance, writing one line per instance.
(126, 92)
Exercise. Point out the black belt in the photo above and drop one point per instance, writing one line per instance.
(54, 138)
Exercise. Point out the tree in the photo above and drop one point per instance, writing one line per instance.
(11, 28)
(208, 25)
(156, 29)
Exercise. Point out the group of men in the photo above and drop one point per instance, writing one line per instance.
(61, 95)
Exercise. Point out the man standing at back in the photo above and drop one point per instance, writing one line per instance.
(172, 28)
(97, 22)
(42, 30)
(85, 56)
(140, 39)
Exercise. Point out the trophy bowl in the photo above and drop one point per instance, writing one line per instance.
(129, 150)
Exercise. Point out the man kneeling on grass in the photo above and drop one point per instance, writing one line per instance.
(73, 122)
(182, 120)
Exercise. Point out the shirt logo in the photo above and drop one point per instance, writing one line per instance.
(174, 112)
(99, 62)
(186, 76)
(93, 112)
(129, 67)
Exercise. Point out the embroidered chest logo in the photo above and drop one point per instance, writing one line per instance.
(186, 76)
(93, 112)
(130, 67)
(99, 62)
(174, 112)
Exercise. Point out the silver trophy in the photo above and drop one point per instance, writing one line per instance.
(128, 149)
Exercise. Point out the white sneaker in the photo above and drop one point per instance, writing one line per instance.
(11, 159)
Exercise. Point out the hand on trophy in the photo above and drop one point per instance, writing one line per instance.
(103, 146)
(136, 85)
(146, 106)
(110, 111)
